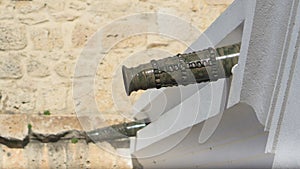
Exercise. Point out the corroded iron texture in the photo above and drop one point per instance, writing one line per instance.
(183, 69)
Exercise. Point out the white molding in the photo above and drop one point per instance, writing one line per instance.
(206, 103)
(284, 99)
(265, 84)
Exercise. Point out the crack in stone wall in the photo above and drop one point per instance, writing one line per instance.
(43, 138)
(13, 142)
(62, 136)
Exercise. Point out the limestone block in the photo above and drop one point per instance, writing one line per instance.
(76, 154)
(73, 54)
(111, 7)
(219, 2)
(77, 5)
(33, 19)
(91, 122)
(109, 93)
(52, 97)
(16, 100)
(6, 14)
(55, 5)
(104, 101)
(64, 154)
(37, 155)
(47, 38)
(12, 37)
(13, 158)
(65, 69)
(132, 43)
(13, 126)
(25, 100)
(81, 33)
(65, 16)
(37, 68)
(53, 55)
(10, 66)
(25, 7)
(96, 19)
(143, 6)
(53, 124)
(168, 47)
(99, 154)
(57, 155)
(27, 84)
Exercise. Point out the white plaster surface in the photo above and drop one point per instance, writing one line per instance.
(265, 83)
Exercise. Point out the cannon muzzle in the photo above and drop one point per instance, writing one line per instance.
(183, 69)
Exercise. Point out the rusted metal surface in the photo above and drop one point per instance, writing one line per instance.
(183, 69)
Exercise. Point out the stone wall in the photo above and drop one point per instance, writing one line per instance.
(40, 41)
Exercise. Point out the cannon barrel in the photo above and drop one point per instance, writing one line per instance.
(183, 69)
(116, 131)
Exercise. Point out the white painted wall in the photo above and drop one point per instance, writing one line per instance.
(260, 104)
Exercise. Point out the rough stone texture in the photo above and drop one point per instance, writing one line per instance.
(20, 100)
(77, 5)
(40, 42)
(55, 6)
(29, 7)
(52, 98)
(81, 33)
(13, 126)
(65, 16)
(53, 124)
(47, 38)
(10, 66)
(36, 68)
(219, 2)
(98, 155)
(65, 69)
(12, 37)
(5, 14)
(13, 158)
(62, 154)
(33, 19)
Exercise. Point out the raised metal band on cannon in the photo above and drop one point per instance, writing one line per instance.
(183, 69)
